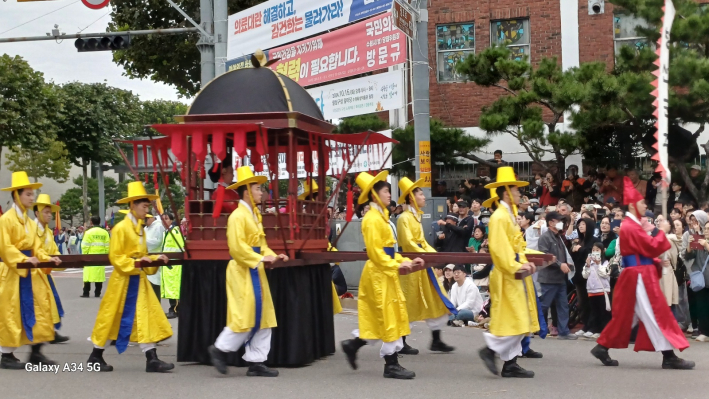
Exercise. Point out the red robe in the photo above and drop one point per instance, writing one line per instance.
(229, 207)
(637, 247)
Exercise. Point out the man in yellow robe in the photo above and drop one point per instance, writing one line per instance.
(43, 210)
(381, 304)
(250, 312)
(129, 310)
(425, 297)
(514, 305)
(25, 294)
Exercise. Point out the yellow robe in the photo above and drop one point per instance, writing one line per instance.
(50, 247)
(243, 232)
(336, 304)
(18, 233)
(149, 324)
(422, 300)
(381, 303)
(514, 311)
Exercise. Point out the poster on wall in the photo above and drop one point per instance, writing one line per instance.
(276, 22)
(374, 93)
(362, 47)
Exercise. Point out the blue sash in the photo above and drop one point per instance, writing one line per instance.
(27, 301)
(256, 282)
(60, 309)
(389, 251)
(632, 260)
(128, 315)
(434, 282)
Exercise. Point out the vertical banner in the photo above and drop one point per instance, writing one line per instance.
(425, 162)
(661, 94)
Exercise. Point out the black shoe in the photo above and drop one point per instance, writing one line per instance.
(676, 363)
(84, 296)
(97, 295)
(601, 353)
(532, 354)
(350, 347)
(36, 357)
(392, 369)
(437, 345)
(488, 357)
(10, 362)
(155, 365)
(261, 370)
(217, 358)
(97, 362)
(408, 350)
(513, 370)
(171, 315)
(58, 338)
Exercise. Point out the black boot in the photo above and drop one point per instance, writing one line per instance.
(350, 347)
(439, 346)
(218, 359)
(97, 291)
(261, 370)
(392, 369)
(36, 356)
(87, 288)
(512, 370)
(58, 338)
(407, 349)
(488, 357)
(600, 352)
(171, 314)
(8, 361)
(671, 361)
(97, 362)
(532, 354)
(155, 365)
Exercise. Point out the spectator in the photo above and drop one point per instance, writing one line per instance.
(552, 278)
(653, 196)
(392, 210)
(676, 214)
(580, 250)
(73, 245)
(497, 160)
(458, 234)
(477, 190)
(438, 271)
(60, 239)
(612, 185)
(183, 226)
(445, 240)
(533, 233)
(597, 276)
(701, 297)
(668, 281)
(638, 183)
(681, 311)
(463, 191)
(607, 235)
(475, 210)
(524, 204)
(574, 187)
(448, 278)
(454, 209)
(551, 191)
(465, 296)
(481, 271)
(611, 202)
(536, 189)
(477, 240)
(696, 220)
(441, 189)
(678, 196)
(525, 220)
(694, 172)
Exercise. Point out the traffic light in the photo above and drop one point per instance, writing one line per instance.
(105, 43)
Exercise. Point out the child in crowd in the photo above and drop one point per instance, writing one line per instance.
(597, 276)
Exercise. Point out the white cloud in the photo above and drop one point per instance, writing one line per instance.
(60, 62)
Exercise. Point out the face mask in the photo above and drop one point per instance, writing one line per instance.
(559, 225)
(485, 220)
(538, 182)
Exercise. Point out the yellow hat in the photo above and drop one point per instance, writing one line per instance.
(493, 197)
(136, 191)
(406, 186)
(365, 181)
(244, 175)
(307, 189)
(44, 200)
(506, 177)
(20, 180)
(126, 211)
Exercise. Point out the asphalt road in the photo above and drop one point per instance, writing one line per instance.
(566, 371)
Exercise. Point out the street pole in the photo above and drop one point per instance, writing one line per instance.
(101, 194)
(220, 35)
(422, 128)
(206, 42)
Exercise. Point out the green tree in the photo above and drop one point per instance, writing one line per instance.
(161, 111)
(93, 116)
(50, 162)
(534, 103)
(447, 145)
(361, 123)
(147, 57)
(72, 205)
(28, 105)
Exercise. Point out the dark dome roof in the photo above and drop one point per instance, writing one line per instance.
(253, 90)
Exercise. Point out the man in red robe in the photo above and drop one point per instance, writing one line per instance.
(637, 299)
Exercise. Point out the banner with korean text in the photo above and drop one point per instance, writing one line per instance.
(374, 93)
(276, 22)
(363, 47)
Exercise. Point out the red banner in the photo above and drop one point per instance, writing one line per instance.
(363, 47)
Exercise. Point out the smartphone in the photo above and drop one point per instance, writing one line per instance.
(695, 244)
(615, 223)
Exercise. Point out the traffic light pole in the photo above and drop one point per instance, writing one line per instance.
(170, 31)
(420, 95)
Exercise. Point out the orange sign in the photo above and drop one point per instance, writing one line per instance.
(425, 162)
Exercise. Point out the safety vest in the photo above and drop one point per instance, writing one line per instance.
(96, 241)
(174, 242)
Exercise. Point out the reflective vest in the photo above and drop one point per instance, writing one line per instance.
(173, 242)
(96, 241)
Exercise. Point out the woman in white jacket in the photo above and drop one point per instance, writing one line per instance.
(597, 276)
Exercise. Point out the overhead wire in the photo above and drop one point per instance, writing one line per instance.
(41, 16)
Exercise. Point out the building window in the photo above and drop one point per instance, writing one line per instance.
(454, 42)
(515, 34)
(624, 33)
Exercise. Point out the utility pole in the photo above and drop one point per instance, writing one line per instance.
(206, 41)
(422, 128)
(101, 193)
(220, 36)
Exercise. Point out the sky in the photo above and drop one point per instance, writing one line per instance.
(60, 62)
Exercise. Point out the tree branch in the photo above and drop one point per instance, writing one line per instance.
(507, 89)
